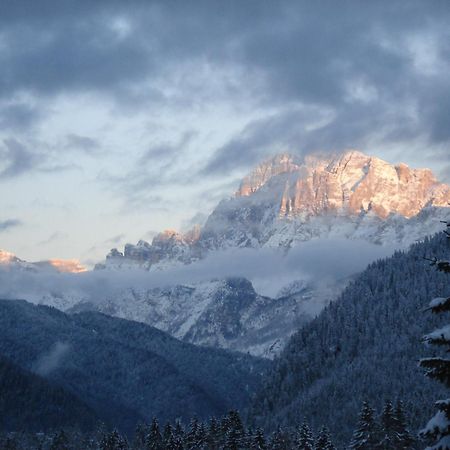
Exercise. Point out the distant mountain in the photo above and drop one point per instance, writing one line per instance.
(286, 201)
(364, 346)
(283, 204)
(224, 313)
(125, 371)
(10, 261)
(29, 402)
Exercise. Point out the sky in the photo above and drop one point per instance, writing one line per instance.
(120, 119)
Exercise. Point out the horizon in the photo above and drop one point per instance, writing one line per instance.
(118, 122)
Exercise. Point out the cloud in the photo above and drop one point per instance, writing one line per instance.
(84, 143)
(19, 116)
(57, 235)
(158, 167)
(8, 224)
(51, 360)
(316, 261)
(17, 159)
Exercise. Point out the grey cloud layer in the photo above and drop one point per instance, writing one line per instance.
(269, 270)
(358, 63)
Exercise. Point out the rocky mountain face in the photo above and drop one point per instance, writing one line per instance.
(282, 204)
(226, 313)
(285, 201)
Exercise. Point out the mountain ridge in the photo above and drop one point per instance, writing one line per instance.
(285, 200)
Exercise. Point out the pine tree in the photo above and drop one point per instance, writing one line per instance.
(279, 440)
(235, 431)
(389, 425)
(366, 435)
(113, 441)
(258, 441)
(323, 441)
(304, 439)
(154, 439)
(192, 434)
(213, 434)
(438, 368)
(406, 440)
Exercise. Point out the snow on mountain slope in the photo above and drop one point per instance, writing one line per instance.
(280, 208)
(9, 260)
(220, 313)
(285, 201)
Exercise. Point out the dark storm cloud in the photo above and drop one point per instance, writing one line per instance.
(303, 53)
(8, 224)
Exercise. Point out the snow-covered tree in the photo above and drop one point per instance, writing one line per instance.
(406, 440)
(279, 440)
(438, 428)
(367, 433)
(323, 441)
(258, 441)
(390, 439)
(304, 439)
(154, 439)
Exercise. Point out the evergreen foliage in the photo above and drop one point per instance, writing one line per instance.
(114, 370)
(438, 367)
(230, 435)
(304, 439)
(323, 441)
(363, 346)
(366, 435)
(29, 401)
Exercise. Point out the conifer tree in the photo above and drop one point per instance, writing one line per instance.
(154, 439)
(279, 440)
(390, 439)
(304, 439)
(192, 434)
(213, 434)
(258, 441)
(113, 441)
(406, 440)
(235, 431)
(438, 368)
(323, 441)
(366, 435)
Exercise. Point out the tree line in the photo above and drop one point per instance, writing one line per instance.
(389, 431)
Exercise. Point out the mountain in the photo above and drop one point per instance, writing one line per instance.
(30, 402)
(364, 346)
(282, 206)
(10, 261)
(125, 371)
(286, 201)
(224, 313)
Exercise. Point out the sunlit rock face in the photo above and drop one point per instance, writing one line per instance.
(287, 200)
(7, 257)
(351, 184)
(67, 265)
(9, 260)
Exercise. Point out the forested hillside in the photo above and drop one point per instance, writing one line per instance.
(364, 346)
(29, 402)
(125, 371)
